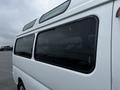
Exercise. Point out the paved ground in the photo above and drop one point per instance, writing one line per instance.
(6, 80)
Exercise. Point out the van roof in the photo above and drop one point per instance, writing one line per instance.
(66, 9)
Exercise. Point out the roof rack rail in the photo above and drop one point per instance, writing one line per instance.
(29, 25)
(54, 12)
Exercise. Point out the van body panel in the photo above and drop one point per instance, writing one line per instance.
(116, 48)
(30, 83)
(58, 78)
(75, 7)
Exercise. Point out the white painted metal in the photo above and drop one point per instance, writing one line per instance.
(116, 48)
(29, 82)
(76, 6)
(36, 74)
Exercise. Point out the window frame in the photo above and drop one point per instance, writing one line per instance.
(32, 45)
(96, 41)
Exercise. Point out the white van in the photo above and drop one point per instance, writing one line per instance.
(75, 46)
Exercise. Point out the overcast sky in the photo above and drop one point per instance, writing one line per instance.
(14, 14)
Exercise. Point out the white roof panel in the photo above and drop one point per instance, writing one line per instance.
(76, 6)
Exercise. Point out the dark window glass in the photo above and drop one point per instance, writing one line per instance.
(54, 12)
(72, 46)
(29, 25)
(24, 46)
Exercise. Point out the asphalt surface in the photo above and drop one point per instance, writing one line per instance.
(6, 79)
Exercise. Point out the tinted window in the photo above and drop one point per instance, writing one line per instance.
(54, 12)
(29, 25)
(24, 46)
(72, 46)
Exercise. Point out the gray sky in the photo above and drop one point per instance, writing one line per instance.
(14, 14)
